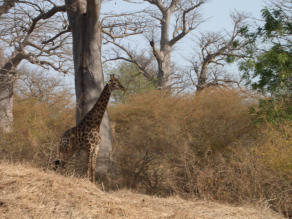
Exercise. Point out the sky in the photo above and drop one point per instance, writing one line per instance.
(217, 11)
(217, 15)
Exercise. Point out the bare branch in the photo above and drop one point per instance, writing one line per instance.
(43, 16)
(68, 30)
(155, 50)
(26, 16)
(123, 35)
(160, 18)
(215, 48)
(158, 4)
(133, 60)
(35, 60)
(173, 4)
(185, 28)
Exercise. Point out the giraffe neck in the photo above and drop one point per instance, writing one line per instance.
(95, 115)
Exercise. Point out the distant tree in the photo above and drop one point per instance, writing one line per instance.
(165, 24)
(41, 86)
(130, 75)
(215, 51)
(268, 68)
(34, 31)
(270, 49)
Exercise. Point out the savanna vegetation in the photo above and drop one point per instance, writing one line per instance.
(220, 142)
(211, 145)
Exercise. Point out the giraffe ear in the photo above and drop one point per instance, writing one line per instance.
(112, 76)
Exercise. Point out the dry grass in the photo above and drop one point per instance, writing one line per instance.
(37, 128)
(205, 146)
(27, 192)
(196, 146)
(154, 133)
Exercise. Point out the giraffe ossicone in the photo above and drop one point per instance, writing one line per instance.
(86, 134)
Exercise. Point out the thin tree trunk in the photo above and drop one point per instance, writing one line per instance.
(202, 80)
(164, 63)
(164, 69)
(6, 105)
(7, 77)
(89, 81)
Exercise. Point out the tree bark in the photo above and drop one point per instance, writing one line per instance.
(164, 62)
(202, 79)
(6, 6)
(7, 78)
(6, 104)
(164, 68)
(89, 81)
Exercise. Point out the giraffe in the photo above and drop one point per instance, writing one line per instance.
(86, 134)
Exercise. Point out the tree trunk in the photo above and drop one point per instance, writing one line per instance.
(164, 69)
(202, 80)
(7, 77)
(6, 5)
(89, 81)
(6, 104)
(164, 61)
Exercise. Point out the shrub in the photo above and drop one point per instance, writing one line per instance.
(205, 145)
(37, 128)
(157, 128)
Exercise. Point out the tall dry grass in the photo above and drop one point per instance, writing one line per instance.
(205, 145)
(36, 129)
(157, 126)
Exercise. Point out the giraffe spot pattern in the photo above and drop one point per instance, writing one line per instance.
(86, 134)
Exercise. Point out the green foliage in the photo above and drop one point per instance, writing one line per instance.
(273, 69)
(230, 59)
(268, 68)
(235, 44)
(274, 111)
(132, 79)
(277, 22)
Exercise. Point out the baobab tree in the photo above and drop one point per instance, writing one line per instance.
(87, 29)
(170, 21)
(33, 31)
(84, 20)
(39, 32)
(216, 50)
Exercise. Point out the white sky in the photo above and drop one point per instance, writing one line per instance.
(217, 10)
(217, 13)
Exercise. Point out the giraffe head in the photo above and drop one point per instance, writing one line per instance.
(115, 84)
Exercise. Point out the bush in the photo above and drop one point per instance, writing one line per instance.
(37, 128)
(205, 145)
(159, 129)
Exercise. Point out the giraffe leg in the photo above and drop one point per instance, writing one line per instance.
(94, 157)
(89, 171)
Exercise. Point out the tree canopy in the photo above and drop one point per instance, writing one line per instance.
(269, 66)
